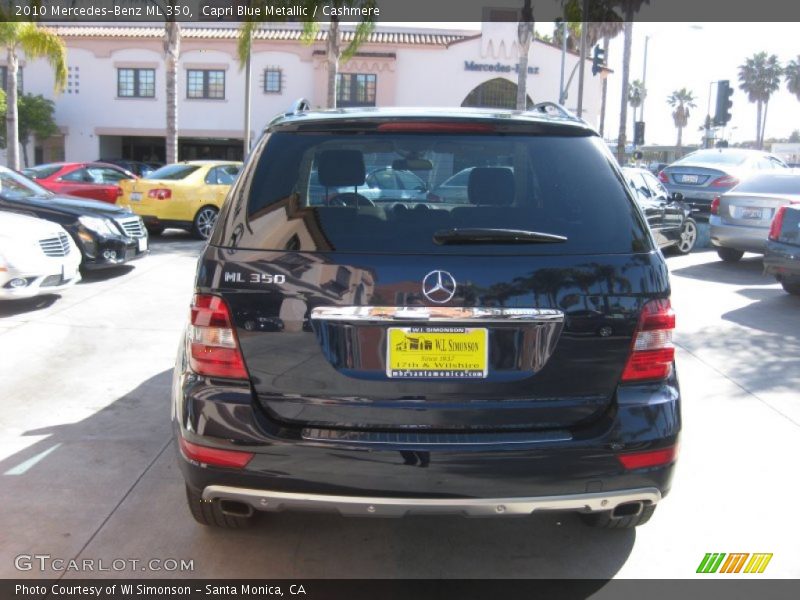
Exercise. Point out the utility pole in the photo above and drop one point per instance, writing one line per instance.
(561, 91)
(247, 72)
(582, 69)
(644, 78)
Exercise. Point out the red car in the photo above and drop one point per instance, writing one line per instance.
(95, 180)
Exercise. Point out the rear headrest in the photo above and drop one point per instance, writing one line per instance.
(491, 185)
(339, 168)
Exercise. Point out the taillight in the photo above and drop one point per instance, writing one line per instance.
(160, 194)
(725, 181)
(777, 224)
(662, 177)
(715, 206)
(214, 349)
(214, 456)
(650, 458)
(652, 352)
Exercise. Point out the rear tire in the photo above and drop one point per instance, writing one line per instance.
(729, 255)
(209, 514)
(204, 222)
(792, 288)
(688, 237)
(605, 520)
(155, 229)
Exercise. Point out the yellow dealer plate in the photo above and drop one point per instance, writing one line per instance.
(437, 353)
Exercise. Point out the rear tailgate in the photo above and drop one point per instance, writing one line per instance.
(749, 209)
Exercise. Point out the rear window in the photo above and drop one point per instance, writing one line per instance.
(310, 190)
(41, 172)
(713, 157)
(771, 184)
(173, 172)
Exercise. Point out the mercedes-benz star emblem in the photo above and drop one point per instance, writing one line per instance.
(439, 286)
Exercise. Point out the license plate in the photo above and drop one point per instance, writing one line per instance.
(142, 244)
(751, 213)
(437, 353)
(690, 178)
(136, 196)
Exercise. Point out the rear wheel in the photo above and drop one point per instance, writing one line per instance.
(204, 222)
(792, 288)
(607, 520)
(730, 255)
(155, 229)
(210, 514)
(688, 237)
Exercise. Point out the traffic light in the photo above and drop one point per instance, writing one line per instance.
(638, 133)
(599, 60)
(724, 103)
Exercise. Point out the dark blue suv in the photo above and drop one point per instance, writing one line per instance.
(499, 356)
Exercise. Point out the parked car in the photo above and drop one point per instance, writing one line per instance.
(94, 180)
(703, 175)
(185, 195)
(740, 220)
(782, 258)
(137, 167)
(668, 217)
(106, 235)
(498, 357)
(36, 257)
(453, 189)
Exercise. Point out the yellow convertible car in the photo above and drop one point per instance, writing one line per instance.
(185, 195)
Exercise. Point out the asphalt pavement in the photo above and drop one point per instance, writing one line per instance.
(88, 470)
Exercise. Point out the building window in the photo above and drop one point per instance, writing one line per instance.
(355, 89)
(4, 79)
(205, 83)
(136, 83)
(272, 81)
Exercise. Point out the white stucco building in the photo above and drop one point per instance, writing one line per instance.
(114, 104)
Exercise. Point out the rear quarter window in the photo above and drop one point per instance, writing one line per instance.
(305, 186)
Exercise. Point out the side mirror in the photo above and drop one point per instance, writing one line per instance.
(677, 196)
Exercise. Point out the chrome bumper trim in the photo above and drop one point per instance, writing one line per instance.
(397, 507)
(435, 313)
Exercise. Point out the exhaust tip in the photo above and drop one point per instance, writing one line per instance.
(233, 508)
(629, 509)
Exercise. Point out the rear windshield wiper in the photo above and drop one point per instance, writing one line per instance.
(488, 235)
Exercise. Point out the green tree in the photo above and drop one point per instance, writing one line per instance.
(35, 119)
(636, 95)
(760, 77)
(792, 74)
(35, 42)
(681, 100)
(794, 138)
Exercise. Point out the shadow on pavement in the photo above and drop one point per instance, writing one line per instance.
(90, 275)
(10, 308)
(58, 494)
(774, 311)
(748, 271)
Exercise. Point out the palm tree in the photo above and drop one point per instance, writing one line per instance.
(524, 37)
(759, 77)
(35, 42)
(681, 100)
(792, 74)
(636, 95)
(172, 52)
(629, 8)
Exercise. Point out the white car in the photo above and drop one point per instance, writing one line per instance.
(36, 257)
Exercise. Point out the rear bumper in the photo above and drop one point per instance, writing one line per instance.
(738, 237)
(398, 507)
(153, 221)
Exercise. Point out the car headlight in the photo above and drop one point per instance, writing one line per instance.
(98, 225)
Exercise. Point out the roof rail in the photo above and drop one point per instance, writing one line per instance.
(298, 106)
(546, 107)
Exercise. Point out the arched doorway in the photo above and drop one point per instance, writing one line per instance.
(495, 93)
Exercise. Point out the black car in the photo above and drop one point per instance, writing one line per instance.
(106, 234)
(667, 215)
(137, 167)
(499, 357)
(782, 258)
